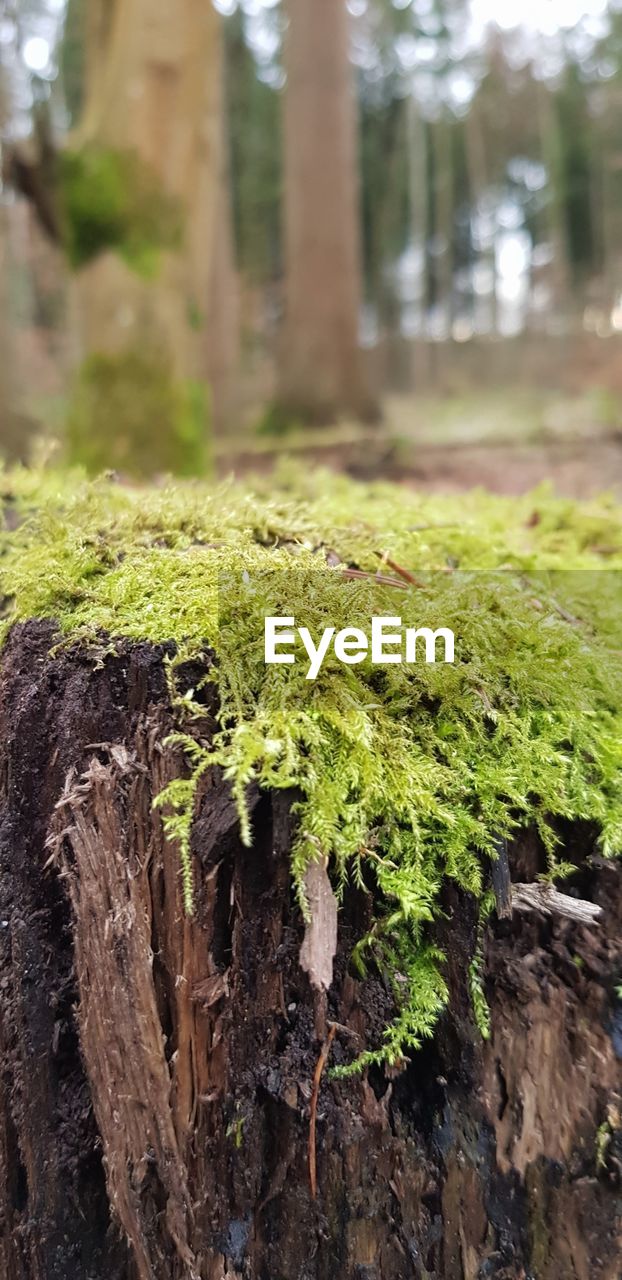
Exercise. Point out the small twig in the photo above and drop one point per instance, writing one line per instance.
(555, 604)
(563, 613)
(402, 573)
(317, 1078)
(481, 693)
(348, 1032)
(374, 577)
(365, 852)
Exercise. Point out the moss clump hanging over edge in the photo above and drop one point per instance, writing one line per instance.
(129, 411)
(409, 775)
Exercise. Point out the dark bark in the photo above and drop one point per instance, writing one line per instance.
(157, 1072)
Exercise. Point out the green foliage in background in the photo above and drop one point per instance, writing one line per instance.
(574, 163)
(495, 129)
(407, 776)
(255, 154)
(113, 200)
(129, 412)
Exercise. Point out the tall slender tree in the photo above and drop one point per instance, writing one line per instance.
(321, 371)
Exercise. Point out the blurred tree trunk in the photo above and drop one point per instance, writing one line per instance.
(16, 430)
(6, 378)
(153, 90)
(223, 324)
(551, 154)
(417, 174)
(222, 337)
(5, 361)
(17, 426)
(6, 389)
(321, 364)
(444, 221)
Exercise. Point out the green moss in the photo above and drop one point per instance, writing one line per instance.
(603, 1140)
(276, 422)
(128, 412)
(113, 200)
(407, 776)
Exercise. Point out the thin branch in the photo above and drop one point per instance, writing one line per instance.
(401, 571)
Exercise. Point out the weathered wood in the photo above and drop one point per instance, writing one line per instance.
(501, 881)
(547, 899)
(164, 1084)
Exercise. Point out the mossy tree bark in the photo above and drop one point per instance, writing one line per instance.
(158, 1073)
(153, 92)
(7, 442)
(322, 372)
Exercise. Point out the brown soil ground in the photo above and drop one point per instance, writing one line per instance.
(576, 469)
(507, 442)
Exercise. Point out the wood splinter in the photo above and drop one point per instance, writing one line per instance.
(547, 899)
(317, 1078)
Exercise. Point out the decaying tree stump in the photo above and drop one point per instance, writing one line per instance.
(157, 1073)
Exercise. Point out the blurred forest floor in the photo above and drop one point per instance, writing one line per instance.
(506, 441)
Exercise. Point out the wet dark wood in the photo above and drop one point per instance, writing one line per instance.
(157, 1073)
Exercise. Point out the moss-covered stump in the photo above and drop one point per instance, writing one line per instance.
(158, 1073)
(168, 1101)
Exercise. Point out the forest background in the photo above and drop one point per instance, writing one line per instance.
(384, 233)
